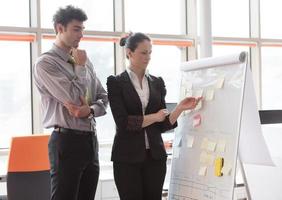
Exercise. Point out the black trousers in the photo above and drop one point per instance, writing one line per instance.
(140, 181)
(74, 166)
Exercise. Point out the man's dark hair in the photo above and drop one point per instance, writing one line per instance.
(65, 15)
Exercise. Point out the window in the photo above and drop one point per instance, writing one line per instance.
(230, 18)
(158, 16)
(271, 77)
(15, 91)
(165, 62)
(271, 18)
(14, 13)
(220, 50)
(99, 13)
(101, 55)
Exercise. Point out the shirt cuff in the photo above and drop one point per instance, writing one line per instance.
(98, 110)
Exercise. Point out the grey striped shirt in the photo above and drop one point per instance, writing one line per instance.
(58, 82)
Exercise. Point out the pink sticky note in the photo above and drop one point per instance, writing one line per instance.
(196, 120)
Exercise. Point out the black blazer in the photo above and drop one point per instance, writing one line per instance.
(129, 141)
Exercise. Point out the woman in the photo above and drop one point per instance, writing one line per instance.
(137, 101)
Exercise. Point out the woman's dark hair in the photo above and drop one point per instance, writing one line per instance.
(132, 40)
(65, 15)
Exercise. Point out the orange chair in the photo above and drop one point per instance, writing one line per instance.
(28, 175)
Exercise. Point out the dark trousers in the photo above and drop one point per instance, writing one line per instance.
(74, 166)
(140, 181)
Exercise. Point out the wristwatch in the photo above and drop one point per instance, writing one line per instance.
(91, 114)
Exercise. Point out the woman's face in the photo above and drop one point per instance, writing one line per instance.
(141, 56)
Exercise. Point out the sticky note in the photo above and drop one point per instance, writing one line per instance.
(198, 93)
(204, 143)
(176, 152)
(198, 106)
(203, 171)
(197, 120)
(209, 159)
(226, 170)
(190, 141)
(218, 164)
(220, 147)
(211, 146)
(177, 139)
(188, 93)
(206, 158)
(209, 95)
(186, 112)
(203, 157)
(182, 93)
(188, 85)
(219, 83)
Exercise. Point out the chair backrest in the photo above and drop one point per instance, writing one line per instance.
(270, 116)
(28, 168)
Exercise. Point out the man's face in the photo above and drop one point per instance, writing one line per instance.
(71, 34)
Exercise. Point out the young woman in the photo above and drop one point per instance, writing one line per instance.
(137, 101)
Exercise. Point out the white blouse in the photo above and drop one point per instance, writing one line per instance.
(143, 92)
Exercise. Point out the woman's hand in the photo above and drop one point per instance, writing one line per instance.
(161, 114)
(186, 104)
(189, 103)
(154, 117)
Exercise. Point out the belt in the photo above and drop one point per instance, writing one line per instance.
(73, 131)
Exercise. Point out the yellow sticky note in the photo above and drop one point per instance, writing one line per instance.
(209, 95)
(188, 93)
(176, 152)
(226, 170)
(186, 112)
(218, 164)
(211, 146)
(188, 85)
(177, 140)
(190, 141)
(209, 159)
(203, 157)
(198, 106)
(204, 143)
(220, 147)
(206, 158)
(203, 171)
(198, 93)
(219, 83)
(182, 93)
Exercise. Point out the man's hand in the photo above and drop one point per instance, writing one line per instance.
(80, 56)
(78, 111)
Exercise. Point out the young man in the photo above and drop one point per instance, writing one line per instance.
(71, 96)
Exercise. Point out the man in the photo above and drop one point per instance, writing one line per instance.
(71, 96)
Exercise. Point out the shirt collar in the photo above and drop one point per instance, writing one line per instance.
(60, 52)
(133, 75)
